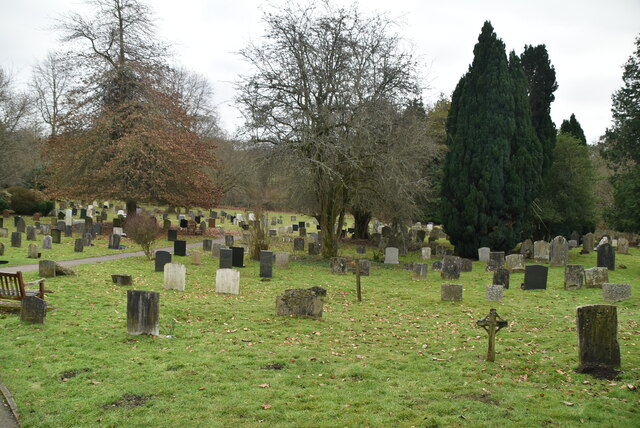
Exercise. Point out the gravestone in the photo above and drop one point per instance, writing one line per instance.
(16, 239)
(161, 259)
(33, 310)
(166, 224)
(20, 224)
(122, 279)
(598, 345)
(572, 244)
(559, 252)
(595, 277)
(606, 257)
(450, 268)
(588, 243)
(573, 277)
(515, 263)
(300, 301)
(207, 245)
(211, 222)
(338, 265)
(526, 249)
(535, 277)
(451, 292)
(483, 254)
(215, 249)
(302, 231)
(298, 244)
(143, 312)
(541, 251)
(365, 267)
(196, 258)
(623, 246)
(184, 223)
(493, 292)
(4, 232)
(466, 265)
(436, 266)
(361, 249)
(615, 292)
(78, 246)
(179, 248)
(228, 240)
(226, 258)
(175, 276)
(61, 226)
(282, 260)
(87, 239)
(501, 277)
(496, 260)
(32, 251)
(294, 227)
(47, 268)
(420, 271)
(56, 236)
(228, 281)
(31, 233)
(237, 257)
(114, 242)
(266, 264)
(421, 235)
(314, 249)
(172, 235)
(391, 255)
(1, 249)
(426, 253)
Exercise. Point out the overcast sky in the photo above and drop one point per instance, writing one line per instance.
(588, 42)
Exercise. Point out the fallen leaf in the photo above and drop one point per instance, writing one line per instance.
(567, 403)
(264, 385)
(266, 406)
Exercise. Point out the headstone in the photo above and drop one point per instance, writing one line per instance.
(118, 231)
(535, 277)
(282, 260)
(215, 249)
(161, 259)
(573, 277)
(166, 224)
(78, 246)
(421, 235)
(114, 241)
(45, 229)
(226, 258)
(175, 276)
(32, 251)
(266, 264)
(515, 263)
(4, 232)
(184, 223)
(172, 235)
(300, 301)
(496, 260)
(314, 249)
(20, 224)
(120, 279)
(365, 267)
(559, 252)
(572, 243)
(16, 239)
(361, 249)
(606, 257)
(466, 265)
(493, 292)
(338, 265)
(302, 231)
(179, 248)
(426, 253)
(451, 292)
(143, 312)
(436, 266)
(298, 244)
(61, 226)
(47, 268)
(391, 255)
(526, 249)
(196, 258)
(228, 281)
(588, 243)
(623, 246)
(420, 271)
(501, 277)
(598, 336)
(68, 231)
(31, 233)
(33, 310)
(56, 236)
(541, 251)
(595, 277)
(228, 240)
(207, 245)
(450, 268)
(615, 292)
(483, 254)
(237, 258)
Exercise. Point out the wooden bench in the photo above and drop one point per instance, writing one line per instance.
(12, 287)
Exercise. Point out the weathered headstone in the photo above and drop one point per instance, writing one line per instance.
(526, 249)
(612, 292)
(314, 249)
(541, 251)
(559, 252)
(493, 292)
(426, 253)
(175, 276)
(16, 239)
(496, 260)
(4, 232)
(143, 312)
(391, 255)
(450, 268)
(114, 242)
(361, 249)
(535, 277)
(228, 281)
(47, 268)
(282, 260)
(31, 233)
(33, 310)
(515, 263)
(365, 267)
(595, 277)
(451, 292)
(588, 243)
(161, 259)
(501, 277)
(179, 248)
(573, 277)
(338, 265)
(215, 249)
(606, 257)
(56, 236)
(420, 271)
(266, 264)
(483, 254)
(20, 224)
(466, 265)
(196, 258)
(300, 301)
(598, 336)
(78, 246)
(207, 245)
(122, 279)
(68, 231)
(237, 257)
(623, 246)
(436, 266)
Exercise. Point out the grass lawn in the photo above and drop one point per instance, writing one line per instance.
(401, 357)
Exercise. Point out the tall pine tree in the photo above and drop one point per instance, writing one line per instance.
(492, 170)
(573, 128)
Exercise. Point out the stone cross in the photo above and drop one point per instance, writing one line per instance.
(492, 323)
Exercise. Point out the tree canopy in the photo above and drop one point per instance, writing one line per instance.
(572, 127)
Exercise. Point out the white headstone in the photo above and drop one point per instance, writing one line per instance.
(426, 253)
(118, 231)
(175, 276)
(282, 260)
(483, 254)
(228, 281)
(68, 217)
(391, 255)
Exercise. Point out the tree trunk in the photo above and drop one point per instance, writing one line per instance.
(362, 219)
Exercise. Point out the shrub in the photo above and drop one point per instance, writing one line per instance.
(23, 201)
(5, 200)
(45, 207)
(143, 230)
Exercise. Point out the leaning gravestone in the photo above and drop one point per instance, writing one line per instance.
(426, 253)
(266, 264)
(451, 292)
(228, 281)
(535, 277)
(606, 256)
(615, 292)
(300, 301)
(496, 260)
(595, 277)
(122, 279)
(161, 259)
(32, 251)
(493, 292)
(33, 310)
(515, 263)
(226, 258)
(143, 312)
(541, 251)
(559, 252)
(391, 255)
(598, 336)
(483, 254)
(420, 271)
(338, 265)
(450, 268)
(180, 248)
(501, 277)
(573, 277)
(47, 268)
(16, 239)
(175, 276)
(282, 260)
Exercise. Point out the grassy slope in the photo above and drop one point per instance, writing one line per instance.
(401, 357)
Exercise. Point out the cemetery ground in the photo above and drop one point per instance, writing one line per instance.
(400, 357)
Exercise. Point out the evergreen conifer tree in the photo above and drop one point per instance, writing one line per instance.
(573, 128)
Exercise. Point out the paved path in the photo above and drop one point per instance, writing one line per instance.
(69, 263)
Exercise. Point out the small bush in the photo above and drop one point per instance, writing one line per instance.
(23, 201)
(45, 207)
(143, 230)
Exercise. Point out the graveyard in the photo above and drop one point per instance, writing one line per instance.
(412, 352)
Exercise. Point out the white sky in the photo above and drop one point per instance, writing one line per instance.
(588, 42)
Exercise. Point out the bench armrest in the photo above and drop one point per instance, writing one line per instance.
(40, 283)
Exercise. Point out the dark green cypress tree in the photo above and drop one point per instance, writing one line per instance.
(492, 169)
(573, 128)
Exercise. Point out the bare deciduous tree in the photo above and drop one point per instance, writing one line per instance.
(50, 82)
